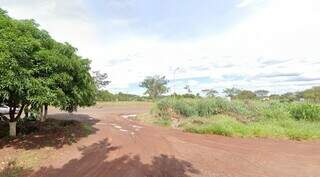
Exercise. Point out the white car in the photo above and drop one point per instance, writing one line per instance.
(4, 109)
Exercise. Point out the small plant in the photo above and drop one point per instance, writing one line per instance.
(163, 122)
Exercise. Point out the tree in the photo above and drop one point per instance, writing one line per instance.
(261, 93)
(20, 40)
(245, 95)
(288, 97)
(210, 92)
(312, 94)
(231, 92)
(101, 79)
(188, 89)
(38, 71)
(155, 86)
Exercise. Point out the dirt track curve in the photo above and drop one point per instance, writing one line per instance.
(125, 148)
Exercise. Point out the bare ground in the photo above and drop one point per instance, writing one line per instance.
(121, 147)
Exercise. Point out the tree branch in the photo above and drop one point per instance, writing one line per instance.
(2, 116)
(20, 112)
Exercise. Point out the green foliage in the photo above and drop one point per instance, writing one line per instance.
(36, 70)
(246, 95)
(184, 108)
(104, 95)
(165, 122)
(312, 94)
(221, 125)
(244, 118)
(101, 79)
(155, 86)
(210, 92)
(209, 107)
(261, 93)
(231, 92)
(305, 111)
(228, 126)
(203, 107)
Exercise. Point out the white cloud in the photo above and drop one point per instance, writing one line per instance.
(244, 3)
(281, 37)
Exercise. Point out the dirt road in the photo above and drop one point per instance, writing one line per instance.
(125, 148)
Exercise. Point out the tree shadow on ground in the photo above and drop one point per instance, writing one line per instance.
(95, 163)
(58, 130)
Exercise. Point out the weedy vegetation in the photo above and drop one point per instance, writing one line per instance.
(241, 118)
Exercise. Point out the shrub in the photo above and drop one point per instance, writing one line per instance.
(184, 108)
(192, 107)
(210, 107)
(305, 111)
(275, 111)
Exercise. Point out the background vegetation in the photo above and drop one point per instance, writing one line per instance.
(244, 118)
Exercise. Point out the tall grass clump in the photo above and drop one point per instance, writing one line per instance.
(204, 107)
(305, 111)
(209, 107)
(170, 107)
(192, 107)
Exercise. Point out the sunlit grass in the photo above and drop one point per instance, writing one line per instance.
(228, 126)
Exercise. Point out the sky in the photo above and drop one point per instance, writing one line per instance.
(215, 44)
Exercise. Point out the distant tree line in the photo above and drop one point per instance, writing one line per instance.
(156, 87)
(105, 95)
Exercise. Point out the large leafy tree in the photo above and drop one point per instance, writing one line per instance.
(37, 71)
(155, 86)
(231, 92)
(101, 79)
(261, 93)
(312, 94)
(210, 92)
(19, 43)
(245, 95)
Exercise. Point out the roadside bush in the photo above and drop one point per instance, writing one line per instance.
(305, 111)
(192, 107)
(275, 111)
(186, 109)
(244, 118)
(210, 107)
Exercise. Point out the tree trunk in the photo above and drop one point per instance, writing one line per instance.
(13, 129)
(12, 122)
(45, 112)
(26, 111)
(41, 114)
(13, 118)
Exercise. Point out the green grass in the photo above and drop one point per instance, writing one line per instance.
(152, 120)
(87, 129)
(228, 126)
(250, 118)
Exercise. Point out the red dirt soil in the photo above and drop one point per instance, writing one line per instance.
(124, 148)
